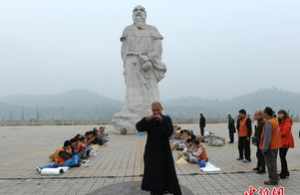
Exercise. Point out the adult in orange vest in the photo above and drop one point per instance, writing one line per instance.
(287, 141)
(270, 143)
(244, 127)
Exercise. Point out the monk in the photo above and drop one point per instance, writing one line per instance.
(159, 170)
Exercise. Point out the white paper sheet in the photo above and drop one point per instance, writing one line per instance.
(54, 171)
(210, 168)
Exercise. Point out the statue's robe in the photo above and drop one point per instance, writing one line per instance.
(141, 84)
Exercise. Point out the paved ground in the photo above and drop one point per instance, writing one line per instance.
(24, 148)
(129, 188)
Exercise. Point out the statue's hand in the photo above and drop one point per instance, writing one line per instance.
(147, 66)
(144, 58)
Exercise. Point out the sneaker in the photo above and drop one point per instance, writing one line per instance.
(38, 169)
(246, 161)
(239, 159)
(85, 165)
(84, 161)
(255, 169)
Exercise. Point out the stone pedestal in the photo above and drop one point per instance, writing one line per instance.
(124, 122)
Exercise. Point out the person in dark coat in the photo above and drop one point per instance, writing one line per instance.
(202, 124)
(261, 165)
(231, 128)
(159, 169)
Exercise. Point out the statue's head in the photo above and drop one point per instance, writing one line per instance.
(139, 15)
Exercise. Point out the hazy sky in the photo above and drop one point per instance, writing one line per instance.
(213, 49)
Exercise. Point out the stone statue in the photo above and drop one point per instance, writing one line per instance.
(143, 69)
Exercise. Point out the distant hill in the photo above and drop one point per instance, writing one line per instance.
(87, 105)
(190, 107)
(72, 105)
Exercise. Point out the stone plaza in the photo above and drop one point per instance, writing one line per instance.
(121, 160)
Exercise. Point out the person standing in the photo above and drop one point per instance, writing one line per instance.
(202, 124)
(270, 143)
(259, 118)
(231, 128)
(159, 169)
(244, 127)
(287, 140)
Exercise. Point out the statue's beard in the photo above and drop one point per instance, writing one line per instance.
(140, 21)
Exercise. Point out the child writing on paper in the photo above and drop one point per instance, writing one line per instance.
(64, 158)
(194, 152)
(201, 152)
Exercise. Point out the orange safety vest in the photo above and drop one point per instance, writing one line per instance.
(243, 129)
(276, 136)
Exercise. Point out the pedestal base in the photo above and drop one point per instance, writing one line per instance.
(125, 121)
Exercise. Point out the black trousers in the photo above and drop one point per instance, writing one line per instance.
(271, 162)
(244, 148)
(284, 166)
(231, 136)
(202, 131)
(261, 165)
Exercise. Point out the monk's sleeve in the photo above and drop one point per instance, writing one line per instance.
(170, 129)
(143, 125)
